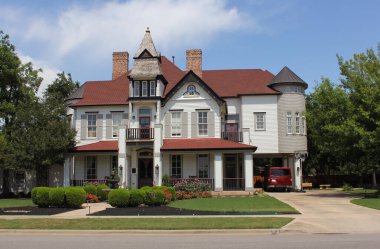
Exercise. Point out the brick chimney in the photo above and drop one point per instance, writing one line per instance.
(194, 61)
(120, 62)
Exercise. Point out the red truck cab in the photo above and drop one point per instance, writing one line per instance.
(278, 178)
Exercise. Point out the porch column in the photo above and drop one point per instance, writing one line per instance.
(248, 171)
(157, 162)
(66, 172)
(297, 174)
(218, 171)
(122, 155)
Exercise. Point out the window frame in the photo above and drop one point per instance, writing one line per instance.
(202, 124)
(191, 90)
(199, 166)
(152, 88)
(94, 174)
(136, 88)
(177, 160)
(303, 125)
(297, 123)
(289, 123)
(92, 125)
(144, 88)
(257, 114)
(176, 124)
(113, 124)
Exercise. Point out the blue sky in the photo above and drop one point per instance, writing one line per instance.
(80, 36)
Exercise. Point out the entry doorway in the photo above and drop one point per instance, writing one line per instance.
(233, 172)
(145, 172)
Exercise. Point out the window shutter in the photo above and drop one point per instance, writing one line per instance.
(83, 127)
(194, 123)
(211, 124)
(167, 124)
(184, 124)
(108, 126)
(99, 126)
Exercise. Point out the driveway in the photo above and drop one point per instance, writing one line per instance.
(326, 211)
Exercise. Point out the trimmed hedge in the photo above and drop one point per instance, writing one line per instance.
(57, 197)
(75, 197)
(90, 189)
(119, 198)
(41, 197)
(103, 195)
(154, 197)
(137, 197)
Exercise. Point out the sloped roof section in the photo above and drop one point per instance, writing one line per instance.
(287, 76)
(147, 44)
(146, 68)
(104, 146)
(172, 74)
(196, 144)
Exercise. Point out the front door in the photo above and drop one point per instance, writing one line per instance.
(145, 127)
(145, 172)
(232, 132)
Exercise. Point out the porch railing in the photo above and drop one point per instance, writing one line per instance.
(233, 184)
(140, 133)
(232, 136)
(173, 181)
(82, 182)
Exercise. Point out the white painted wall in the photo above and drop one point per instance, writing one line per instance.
(266, 141)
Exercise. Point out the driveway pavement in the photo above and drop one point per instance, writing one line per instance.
(329, 212)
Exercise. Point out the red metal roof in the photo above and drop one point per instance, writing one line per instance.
(98, 146)
(203, 144)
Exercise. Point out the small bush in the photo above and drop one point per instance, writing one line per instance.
(57, 197)
(92, 198)
(103, 195)
(90, 189)
(154, 197)
(137, 197)
(192, 185)
(347, 187)
(118, 198)
(41, 196)
(75, 197)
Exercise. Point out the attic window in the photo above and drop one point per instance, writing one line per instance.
(191, 91)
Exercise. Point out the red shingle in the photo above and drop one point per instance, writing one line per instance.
(98, 146)
(203, 144)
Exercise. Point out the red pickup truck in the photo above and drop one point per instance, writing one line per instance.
(278, 178)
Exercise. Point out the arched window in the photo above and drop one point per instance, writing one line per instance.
(191, 90)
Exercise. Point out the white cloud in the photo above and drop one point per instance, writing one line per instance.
(48, 74)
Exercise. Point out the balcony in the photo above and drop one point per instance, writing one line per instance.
(140, 134)
(232, 136)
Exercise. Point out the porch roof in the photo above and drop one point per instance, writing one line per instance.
(101, 146)
(203, 144)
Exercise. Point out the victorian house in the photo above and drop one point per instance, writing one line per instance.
(155, 121)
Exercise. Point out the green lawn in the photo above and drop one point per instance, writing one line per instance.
(147, 223)
(361, 191)
(236, 204)
(7, 203)
(368, 202)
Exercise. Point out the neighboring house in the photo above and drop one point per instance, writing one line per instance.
(157, 120)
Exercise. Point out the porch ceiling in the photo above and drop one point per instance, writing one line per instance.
(197, 144)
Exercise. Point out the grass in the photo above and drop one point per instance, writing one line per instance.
(147, 223)
(7, 203)
(361, 191)
(236, 204)
(368, 202)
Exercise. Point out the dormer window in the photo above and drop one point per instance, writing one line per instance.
(191, 90)
(152, 88)
(137, 89)
(144, 88)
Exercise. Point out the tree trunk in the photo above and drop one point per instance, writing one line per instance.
(42, 175)
(6, 182)
(374, 180)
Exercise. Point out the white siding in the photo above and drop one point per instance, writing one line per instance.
(266, 141)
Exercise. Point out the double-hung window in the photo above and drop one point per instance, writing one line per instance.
(144, 88)
(298, 124)
(303, 120)
(137, 89)
(176, 166)
(260, 121)
(116, 122)
(203, 166)
(176, 124)
(91, 125)
(91, 167)
(152, 88)
(202, 124)
(289, 123)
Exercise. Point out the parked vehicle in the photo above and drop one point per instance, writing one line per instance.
(278, 178)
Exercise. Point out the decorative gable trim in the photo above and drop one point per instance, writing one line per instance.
(192, 77)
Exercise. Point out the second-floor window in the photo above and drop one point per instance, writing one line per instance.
(116, 122)
(176, 124)
(152, 88)
(298, 125)
(289, 125)
(260, 121)
(137, 89)
(91, 125)
(202, 124)
(144, 88)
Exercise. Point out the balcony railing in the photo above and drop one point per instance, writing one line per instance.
(232, 136)
(173, 181)
(140, 133)
(233, 184)
(82, 182)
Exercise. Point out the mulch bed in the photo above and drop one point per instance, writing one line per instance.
(33, 211)
(158, 210)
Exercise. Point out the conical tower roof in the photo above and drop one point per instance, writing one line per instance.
(287, 76)
(147, 44)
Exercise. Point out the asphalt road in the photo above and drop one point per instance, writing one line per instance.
(80, 240)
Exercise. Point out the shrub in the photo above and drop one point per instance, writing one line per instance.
(169, 192)
(103, 195)
(154, 197)
(75, 197)
(57, 197)
(92, 198)
(41, 196)
(137, 197)
(118, 198)
(347, 187)
(192, 185)
(90, 189)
